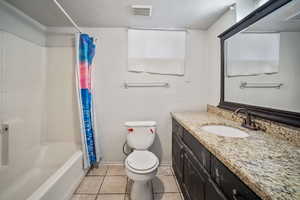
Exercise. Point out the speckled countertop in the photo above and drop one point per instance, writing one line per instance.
(269, 165)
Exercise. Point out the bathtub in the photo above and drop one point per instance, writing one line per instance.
(51, 172)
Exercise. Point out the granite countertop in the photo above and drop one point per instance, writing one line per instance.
(270, 166)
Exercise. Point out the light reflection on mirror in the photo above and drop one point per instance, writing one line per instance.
(262, 62)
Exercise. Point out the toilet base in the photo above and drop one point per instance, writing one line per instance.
(141, 190)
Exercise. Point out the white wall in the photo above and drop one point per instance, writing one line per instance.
(243, 8)
(60, 118)
(22, 84)
(259, 3)
(16, 22)
(213, 54)
(285, 98)
(22, 88)
(61, 102)
(115, 105)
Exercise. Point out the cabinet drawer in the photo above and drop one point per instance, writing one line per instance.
(177, 128)
(198, 149)
(229, 183)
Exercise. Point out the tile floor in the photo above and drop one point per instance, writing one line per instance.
(109, 182)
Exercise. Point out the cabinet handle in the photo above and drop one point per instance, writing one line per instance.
(237, 196)
(203, 158)
(217, 176)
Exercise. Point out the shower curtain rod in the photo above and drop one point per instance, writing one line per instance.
(67, 15)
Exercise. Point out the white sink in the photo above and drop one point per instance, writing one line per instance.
(225, 131)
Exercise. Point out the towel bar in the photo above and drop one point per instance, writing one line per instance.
(260, 85)
(154, 84)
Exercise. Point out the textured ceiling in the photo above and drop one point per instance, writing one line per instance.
(116, 13)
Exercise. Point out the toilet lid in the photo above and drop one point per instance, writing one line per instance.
(142, 160)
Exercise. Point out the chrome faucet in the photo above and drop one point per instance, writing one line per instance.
(247, 122)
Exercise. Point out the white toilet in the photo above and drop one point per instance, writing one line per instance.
(141, 165)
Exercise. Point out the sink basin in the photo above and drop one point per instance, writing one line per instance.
(225, 131)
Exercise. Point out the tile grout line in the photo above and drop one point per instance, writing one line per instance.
(107, 175)
(101, 184)
(177, 184)
(124, 198)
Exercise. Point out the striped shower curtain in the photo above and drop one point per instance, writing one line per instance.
(85, 48)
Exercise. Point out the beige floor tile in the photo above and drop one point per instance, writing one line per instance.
(114, 184)
(111, 197)
(83, 197)
(116, 170)
(163, 184)
(100, 171)
(167, 196)
(164, 171)
(90, 185)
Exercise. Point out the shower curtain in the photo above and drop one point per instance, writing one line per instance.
(85, 52)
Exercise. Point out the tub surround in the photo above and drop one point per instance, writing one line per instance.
(267, 164)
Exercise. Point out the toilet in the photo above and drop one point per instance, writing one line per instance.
(141, 165)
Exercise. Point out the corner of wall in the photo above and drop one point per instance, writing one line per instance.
(213, 54)
(16, 22)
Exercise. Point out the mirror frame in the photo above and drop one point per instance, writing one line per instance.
(281, 116)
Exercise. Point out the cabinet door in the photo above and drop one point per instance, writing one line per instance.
(177, 158)
(201, 153)
(212, 192)
(230, 184)
(194, 179)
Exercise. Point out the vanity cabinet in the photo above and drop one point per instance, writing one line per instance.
(200, 152)
(212, 192)
(177, 158)
(231, 185)
(200, 174)
(194, 177)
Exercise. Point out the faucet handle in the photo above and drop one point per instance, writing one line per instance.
(247, 119)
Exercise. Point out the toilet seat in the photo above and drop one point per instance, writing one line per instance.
(142, 161)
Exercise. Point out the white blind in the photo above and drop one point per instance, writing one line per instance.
(152, 51)
(252, 54)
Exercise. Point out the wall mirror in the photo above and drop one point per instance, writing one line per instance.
(261, 63)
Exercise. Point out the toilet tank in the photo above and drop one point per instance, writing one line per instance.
(140, 134)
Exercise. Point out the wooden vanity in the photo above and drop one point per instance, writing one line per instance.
(201, 175)
(210, 167)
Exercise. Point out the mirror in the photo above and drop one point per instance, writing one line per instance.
(261, 62)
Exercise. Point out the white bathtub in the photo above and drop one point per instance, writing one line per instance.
(54, 174)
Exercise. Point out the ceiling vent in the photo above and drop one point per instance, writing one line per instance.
(142, 10)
